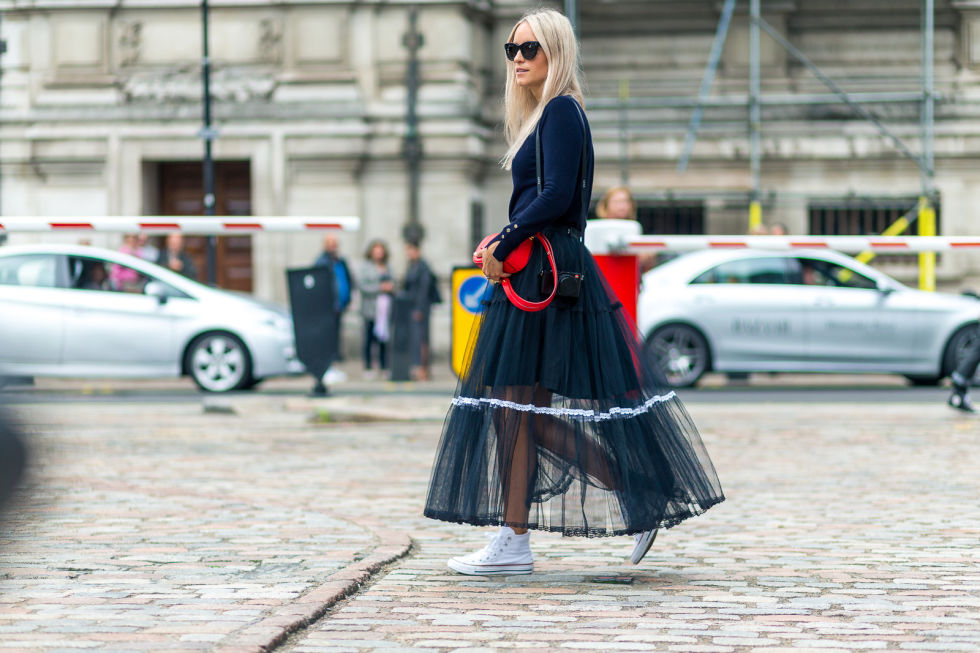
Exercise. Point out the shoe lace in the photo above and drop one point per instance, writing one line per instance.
(496, 544)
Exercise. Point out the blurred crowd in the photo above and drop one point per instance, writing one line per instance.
(377, 287)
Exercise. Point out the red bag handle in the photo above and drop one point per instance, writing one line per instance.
(530, 306)
(517, 300)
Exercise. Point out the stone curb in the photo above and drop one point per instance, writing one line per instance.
(275, 628)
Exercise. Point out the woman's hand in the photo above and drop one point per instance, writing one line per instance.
(492, 268)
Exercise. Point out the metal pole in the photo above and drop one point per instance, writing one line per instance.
(800, 99)
(413, 40)
(755, 117)
(624, 155)
(927, 212)
(208, 134)
(928, 99)
(709, 76)
(3, 51)
(571, 12)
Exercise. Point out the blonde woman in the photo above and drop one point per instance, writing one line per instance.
(558, 423)
(617, 203)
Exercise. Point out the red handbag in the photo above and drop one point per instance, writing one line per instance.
(517, 261)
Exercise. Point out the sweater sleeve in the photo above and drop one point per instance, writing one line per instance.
(561, 148)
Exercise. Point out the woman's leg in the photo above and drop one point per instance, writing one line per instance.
(571, 444)
(520, 432)
(368, 339)
(515, 457)
(424, 349)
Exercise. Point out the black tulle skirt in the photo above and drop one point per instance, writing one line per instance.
(560, 423)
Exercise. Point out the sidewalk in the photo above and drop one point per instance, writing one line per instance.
(162, 527)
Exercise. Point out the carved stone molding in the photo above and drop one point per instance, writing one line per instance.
(185, 86)
(270, 41)
(130, 40)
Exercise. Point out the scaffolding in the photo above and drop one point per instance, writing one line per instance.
(924, 215)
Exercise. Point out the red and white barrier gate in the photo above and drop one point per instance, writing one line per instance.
(197, 225)
(847, 244)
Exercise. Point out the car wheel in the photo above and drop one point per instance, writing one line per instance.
(956, 349)
(680, 352)
(219, 362)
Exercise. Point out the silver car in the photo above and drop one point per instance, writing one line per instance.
(800, 311)
(76, 311)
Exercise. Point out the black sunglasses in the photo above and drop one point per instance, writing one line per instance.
(528, 49)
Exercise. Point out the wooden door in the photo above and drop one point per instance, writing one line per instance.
(182, 193)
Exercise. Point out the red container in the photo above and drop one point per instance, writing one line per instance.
(623, 273)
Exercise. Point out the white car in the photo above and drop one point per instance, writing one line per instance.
(800, 311)
(77, 311)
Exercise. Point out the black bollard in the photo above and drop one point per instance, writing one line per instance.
(400, 347)
(312, 297)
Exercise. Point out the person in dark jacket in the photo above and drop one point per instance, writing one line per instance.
(343, 281)
(422, 291)
(966, 368)
(173, 257)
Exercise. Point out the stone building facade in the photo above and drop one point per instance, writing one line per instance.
(100, 113)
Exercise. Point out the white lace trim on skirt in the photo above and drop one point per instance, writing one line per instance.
(583, 414)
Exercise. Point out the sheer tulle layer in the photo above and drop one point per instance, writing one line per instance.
(560, 424)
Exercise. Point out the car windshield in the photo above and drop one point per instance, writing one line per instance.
(95, 274)
(817, 272)
(765, 270)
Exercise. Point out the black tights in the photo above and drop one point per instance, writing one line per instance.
(369, 340)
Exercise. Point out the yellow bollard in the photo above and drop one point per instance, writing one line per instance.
(927, 260)
(755, 215)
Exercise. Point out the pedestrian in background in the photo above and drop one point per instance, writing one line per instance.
(618, 203)
(560, 422)
(330, 257)
(173, 257)
(962, 376)
(421, 289)
(145, 249)
(123, 277)
(375, 285)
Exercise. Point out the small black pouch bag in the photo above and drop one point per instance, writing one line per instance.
(569, 284)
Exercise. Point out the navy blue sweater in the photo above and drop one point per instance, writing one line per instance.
(560, 202)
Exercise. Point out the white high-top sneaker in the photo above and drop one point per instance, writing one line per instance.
(506, 554)
(641, 544)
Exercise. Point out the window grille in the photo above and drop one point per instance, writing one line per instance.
(867, 217)
(671, 217)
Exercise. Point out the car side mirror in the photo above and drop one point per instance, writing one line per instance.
(884, 288)
(156, 289)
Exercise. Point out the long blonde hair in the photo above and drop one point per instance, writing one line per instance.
(521, 109)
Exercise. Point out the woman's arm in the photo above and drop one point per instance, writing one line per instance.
(562, 134)
(369, 279)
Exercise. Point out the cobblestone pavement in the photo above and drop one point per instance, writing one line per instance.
(847, 527)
